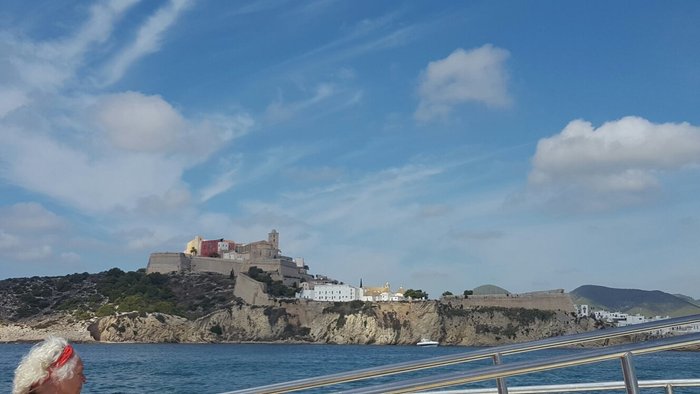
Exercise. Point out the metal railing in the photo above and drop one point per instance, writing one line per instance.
(668, 385)
(624, 352)
(500, 371)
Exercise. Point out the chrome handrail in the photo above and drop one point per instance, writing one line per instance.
(577, 387)
(530, 366)
(548, 343)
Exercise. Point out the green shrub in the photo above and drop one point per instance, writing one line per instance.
(216, 329)
(340, 323)
(415, 294)
(105, 310)
(82, 314)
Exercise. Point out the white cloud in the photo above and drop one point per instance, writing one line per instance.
(11, 99)
(70, 257)
(477, 75)
(8, 241)
(621, 160)
(31, 251)
(29, 232)
(93, 181)
(172, 200)
(148, 40)
(29, 217)
(135, 122)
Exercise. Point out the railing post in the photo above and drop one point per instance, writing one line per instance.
(669, 389)
(500, 382)
(628, 372)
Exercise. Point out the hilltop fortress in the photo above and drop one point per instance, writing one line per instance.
(228, 257)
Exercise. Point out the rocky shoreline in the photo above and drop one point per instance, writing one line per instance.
(160, 328)
(308, 322)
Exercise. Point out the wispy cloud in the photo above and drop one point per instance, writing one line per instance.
(148, 40)
(280, 110)
(48, 65)
(221, 184)
(11, 99)
(364, 37)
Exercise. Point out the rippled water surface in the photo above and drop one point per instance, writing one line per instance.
(215, 368)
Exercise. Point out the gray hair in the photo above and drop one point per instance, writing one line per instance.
(35, 366)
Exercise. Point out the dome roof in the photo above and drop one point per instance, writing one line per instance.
(490, 290)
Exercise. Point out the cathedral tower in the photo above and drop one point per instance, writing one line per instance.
(274, 239)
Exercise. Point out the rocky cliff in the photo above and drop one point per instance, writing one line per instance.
(117, 306)
(398, 323)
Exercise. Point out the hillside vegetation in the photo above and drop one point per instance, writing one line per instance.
(689, 299)
(644, 302)
(87, 295)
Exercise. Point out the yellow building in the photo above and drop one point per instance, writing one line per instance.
(194, 246)
(383, 293)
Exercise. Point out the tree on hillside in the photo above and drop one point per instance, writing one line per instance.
(447, 293)
(275, 288)
(468, 292)
(415, 294)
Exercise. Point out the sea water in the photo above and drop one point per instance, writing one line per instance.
(216, 368)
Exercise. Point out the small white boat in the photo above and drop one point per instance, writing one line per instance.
(425, 342)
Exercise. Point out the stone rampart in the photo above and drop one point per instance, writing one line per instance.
(216, 265)
(168, 262)
(543, 301)
(180, 262)
(251, 291)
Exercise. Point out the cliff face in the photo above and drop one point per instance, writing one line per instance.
(348, 323)
(61, 324)
(216, 308)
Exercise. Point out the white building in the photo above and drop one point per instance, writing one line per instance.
(632, 319)
(307, 291)
(384, 296)
(623, 319)
(583, 310)
(610, 317)
(330, 292)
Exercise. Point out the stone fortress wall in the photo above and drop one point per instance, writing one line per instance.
(164, 263)
(168, 262)
(238, 258)
(556, 300)
(251, 291)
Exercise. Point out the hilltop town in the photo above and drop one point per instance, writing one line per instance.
(237, 259)
(228, 257)
(227, 291)
(244, 260)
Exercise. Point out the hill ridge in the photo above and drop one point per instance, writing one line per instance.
(645, 302)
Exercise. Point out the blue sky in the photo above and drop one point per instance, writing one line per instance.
(434, 145)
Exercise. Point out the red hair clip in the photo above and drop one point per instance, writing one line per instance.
(63, 358)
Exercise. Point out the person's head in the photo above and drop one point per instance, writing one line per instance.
(51, 366)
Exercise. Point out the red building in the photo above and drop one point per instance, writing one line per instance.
(216, 247)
